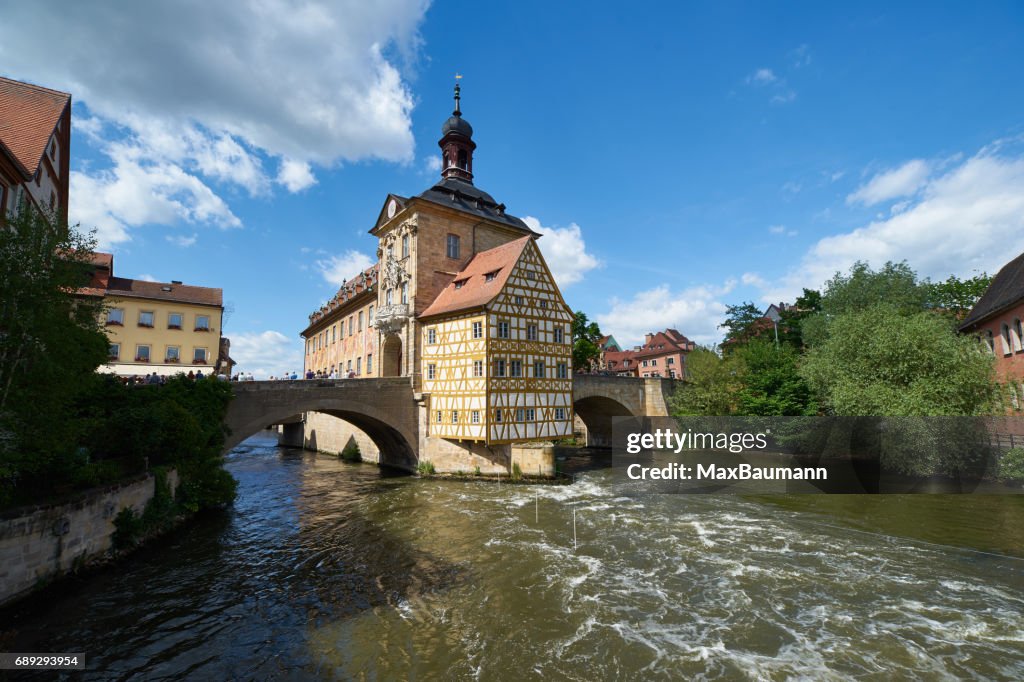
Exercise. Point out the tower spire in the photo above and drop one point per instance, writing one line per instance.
(457, 143)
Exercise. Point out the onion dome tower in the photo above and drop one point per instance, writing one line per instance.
(457, 145)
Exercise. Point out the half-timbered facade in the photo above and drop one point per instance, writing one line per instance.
(496, 351)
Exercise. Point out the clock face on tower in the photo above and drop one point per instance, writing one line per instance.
(392, 208)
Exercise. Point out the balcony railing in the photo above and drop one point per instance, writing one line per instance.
(391, 318)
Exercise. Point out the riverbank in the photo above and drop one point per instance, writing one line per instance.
(40, 544)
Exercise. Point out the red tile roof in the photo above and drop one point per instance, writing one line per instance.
(475, 291)
(668, 341)
(122, 287)
(28, 116)
(102, 260)
(104, 283)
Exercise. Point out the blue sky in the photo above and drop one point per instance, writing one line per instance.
(678, 157)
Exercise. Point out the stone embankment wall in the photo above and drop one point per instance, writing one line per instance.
(324, 433)
(38, 544)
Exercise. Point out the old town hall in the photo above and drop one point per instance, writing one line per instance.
(460, 301)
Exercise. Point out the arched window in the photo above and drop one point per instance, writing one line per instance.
(1018, 336)
(989, 341)
(463, 160)
(1007, 345)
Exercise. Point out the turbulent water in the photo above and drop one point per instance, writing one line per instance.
(330, 570)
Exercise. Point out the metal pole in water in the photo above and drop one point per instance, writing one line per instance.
(536, 506)
(574, 528)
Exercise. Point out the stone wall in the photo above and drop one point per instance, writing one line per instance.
(325, 433)
(534, 459)
(38, 544)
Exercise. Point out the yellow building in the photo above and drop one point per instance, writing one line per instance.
(341, 337)
(496, 351)
(162, 327)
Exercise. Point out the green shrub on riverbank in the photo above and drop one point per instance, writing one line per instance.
(121, 431)
(351, 453)
(1011, 466)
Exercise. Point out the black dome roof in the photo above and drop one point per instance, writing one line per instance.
(457, 124)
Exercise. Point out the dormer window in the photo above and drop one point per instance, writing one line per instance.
(459, 283)
(489, 277)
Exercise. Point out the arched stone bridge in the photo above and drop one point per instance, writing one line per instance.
(394, 416)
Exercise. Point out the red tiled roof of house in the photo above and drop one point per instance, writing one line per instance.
(476, 291)
(102, 260)
(668, 341)
(122, 287)
(28, 115)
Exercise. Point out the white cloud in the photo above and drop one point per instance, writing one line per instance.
(564, 251)
(266, 353)
(182, 241)
(147, 278)
(433, 163)
(766, 78)
(892, 184)
(307, 82)
(783, 97)
(753, 279)
(696, 312)
(777, 229)
(295, 175)
(762, 77)
(801, 56)
(338, 269)
(968, 218)
(139, 192)
(792, 187)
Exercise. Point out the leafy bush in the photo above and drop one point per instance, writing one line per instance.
(128, 528)
(425, 468)
(1011, 466)
(517, 472)
(351, 453)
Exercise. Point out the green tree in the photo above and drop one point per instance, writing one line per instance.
(770, 381)
(862, 288)
(792, 318)
(741, 322)
(585, 337)
(956, 296)
(50, 342)
(880, 361)
(712, 385)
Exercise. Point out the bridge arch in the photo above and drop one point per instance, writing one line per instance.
(599, 399)
(383, 409)
(597, 413)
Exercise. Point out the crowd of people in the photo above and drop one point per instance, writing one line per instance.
(159, 379)
(310, 374)
(155, 379)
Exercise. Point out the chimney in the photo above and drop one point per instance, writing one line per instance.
(647, 338)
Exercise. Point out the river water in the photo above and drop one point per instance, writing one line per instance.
(329, 570)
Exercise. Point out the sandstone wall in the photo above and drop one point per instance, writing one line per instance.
(41, 543)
